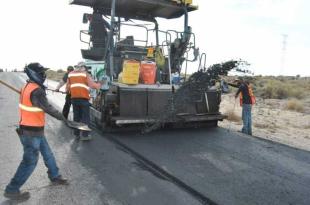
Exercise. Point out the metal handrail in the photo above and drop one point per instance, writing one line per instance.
(164, 32)
(178, 33)
(200, 58)
(141, 26)
(186, 65)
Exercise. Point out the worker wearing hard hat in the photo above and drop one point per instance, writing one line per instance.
(247, 99)
(33, 105)
(78, 84)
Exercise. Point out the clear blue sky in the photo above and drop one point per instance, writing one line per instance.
(48, 31)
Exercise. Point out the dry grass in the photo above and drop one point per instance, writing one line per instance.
(294, 105)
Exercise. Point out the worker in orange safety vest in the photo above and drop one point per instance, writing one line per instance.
(78, 84)
(33, 105)
(247, 99)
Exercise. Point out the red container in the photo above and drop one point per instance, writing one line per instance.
(148, 72)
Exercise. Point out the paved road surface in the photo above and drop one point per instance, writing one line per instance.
(190, 166)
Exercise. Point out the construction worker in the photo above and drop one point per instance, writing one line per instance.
(247, 99)
(33, 105)
(78, 84)
(67, 105)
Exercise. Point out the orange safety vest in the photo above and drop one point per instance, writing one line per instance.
(30, 115)
(253, 99)
(78, 85)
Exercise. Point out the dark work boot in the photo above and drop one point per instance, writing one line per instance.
(85, 136)
(77, 137)
(22, 196)
(60, 181)
(77, 134)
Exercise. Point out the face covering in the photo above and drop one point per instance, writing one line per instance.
(38, 78)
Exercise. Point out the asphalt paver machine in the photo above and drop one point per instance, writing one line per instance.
(128, 99)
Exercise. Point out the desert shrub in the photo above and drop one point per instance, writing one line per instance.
(268, 91)
(60, 71)
(282, 92)
(281, 88)
(274, 90)
(54, 75)
(294, 105)
(298, 93)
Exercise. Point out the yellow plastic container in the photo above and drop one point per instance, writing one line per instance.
(131, 71)
(188, 2)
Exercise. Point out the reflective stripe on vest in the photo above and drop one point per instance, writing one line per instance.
(253, 99)
(78, 85)
(30, 109)
(30, 115)
(77, 75)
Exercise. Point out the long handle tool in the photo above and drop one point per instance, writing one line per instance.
(56, 91)
(9, 86)
(71, 124)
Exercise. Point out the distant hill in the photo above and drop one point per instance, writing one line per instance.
(55, 75)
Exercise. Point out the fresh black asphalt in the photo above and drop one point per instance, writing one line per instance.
(184, 166)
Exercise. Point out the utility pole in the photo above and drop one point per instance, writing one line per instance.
(283, 53)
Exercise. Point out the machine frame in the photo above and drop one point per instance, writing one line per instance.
(122, 104)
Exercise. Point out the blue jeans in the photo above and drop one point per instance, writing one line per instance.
(32, 146)
(247, 119)
(81, 114)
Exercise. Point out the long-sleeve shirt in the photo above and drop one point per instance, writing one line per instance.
(246, 98)
(63, 81)
(234, 85)
(38, 99)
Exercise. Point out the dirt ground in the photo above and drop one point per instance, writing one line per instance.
(270, 120)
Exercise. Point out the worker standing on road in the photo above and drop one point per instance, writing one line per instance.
(33, 105)
(67, 105)
(78, 84)
(247, 99)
